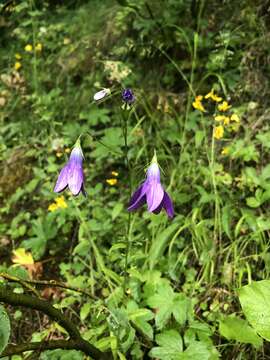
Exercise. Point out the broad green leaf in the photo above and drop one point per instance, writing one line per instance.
(170, 346)
(159, 244)
(255, 302)
(233, 328)
(4, 329)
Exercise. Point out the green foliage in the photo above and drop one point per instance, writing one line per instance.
(233, 328)
(173, 296)
(4, 329)
(254, 299)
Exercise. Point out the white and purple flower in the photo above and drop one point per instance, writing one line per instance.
(71, 175)
(152, 193)
(101, 94)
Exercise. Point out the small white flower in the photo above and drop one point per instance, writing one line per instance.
(101, 94)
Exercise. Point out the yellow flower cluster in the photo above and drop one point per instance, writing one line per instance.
(28, 48)
(213, 96)
(222, 106)
(59, 203)
(197, 104)
(113, 181)
(225, 120)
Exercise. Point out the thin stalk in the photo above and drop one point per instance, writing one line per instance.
(128, 244)
(217, 229)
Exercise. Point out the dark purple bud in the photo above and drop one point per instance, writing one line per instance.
(128, 96)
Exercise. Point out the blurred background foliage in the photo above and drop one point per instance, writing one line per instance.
(181, 300)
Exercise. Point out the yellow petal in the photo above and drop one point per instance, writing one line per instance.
(235, 118)
(111, 182)
(21, 257)
(28, 48)
(218, 132)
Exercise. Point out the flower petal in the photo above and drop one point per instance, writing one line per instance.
(168, 205)
(154, 195)
(138, 198)
(75, 178)
(62, 180)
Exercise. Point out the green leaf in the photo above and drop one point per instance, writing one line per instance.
(255, 302)
(159, 244)
(4, 329)
(170, 346)
(252, 202)
(198, 350)
(233, 328)
(85, 310)
(139, 319)
(167, 304)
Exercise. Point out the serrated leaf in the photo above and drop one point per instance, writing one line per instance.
(168, 303)
(170, 346)
(198, 350)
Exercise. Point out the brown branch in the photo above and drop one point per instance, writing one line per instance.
(45, 307)
(45, 283)
(42, 346)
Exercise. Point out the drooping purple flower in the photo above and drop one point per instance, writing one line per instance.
(152, 193)
(128, 96)
(71, 175)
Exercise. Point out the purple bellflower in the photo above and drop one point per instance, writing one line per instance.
(128, 96)
(71, 175)
(152, 193)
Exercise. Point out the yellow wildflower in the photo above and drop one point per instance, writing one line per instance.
(111, 182)
(52, 207)
(59, 154)
(67, 150)
(21, 257)
(213, 96)
(17, 65)
(224, 106)
(114, 173)
(197, 104)
(60, 202)
(223, 118)
(38, 47)
(218, 132)
(18, 56)
(225, 151)
(28, 48)
(235, 118)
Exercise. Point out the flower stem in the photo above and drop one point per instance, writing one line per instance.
(128, 244)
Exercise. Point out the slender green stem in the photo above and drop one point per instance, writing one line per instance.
(217, 230)
(128, 244)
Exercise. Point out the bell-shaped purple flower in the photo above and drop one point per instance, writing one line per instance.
(128, 96)
(152, 193)
(71, 175)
